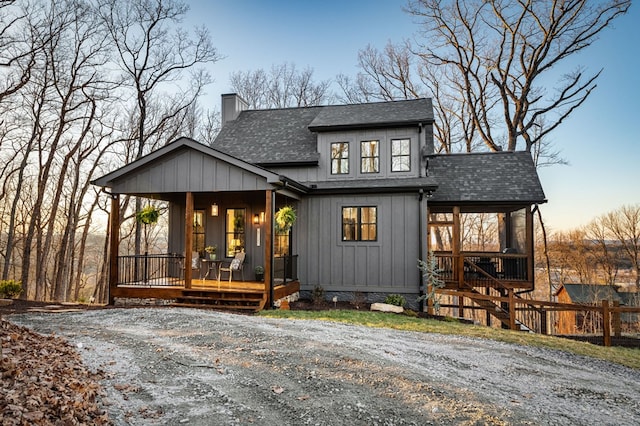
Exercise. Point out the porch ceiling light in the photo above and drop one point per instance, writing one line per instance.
(214, 209)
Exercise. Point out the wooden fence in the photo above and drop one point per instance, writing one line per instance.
(606, 320)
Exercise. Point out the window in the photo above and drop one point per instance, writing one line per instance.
(198, 232)
(400, 155)
(234, 231)
(369, 157)
(339, 158)
(359, 224)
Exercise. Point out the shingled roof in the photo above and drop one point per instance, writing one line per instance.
(590, 294)
(373, 115)
(270, 136)
(281, 136)
(495, 177)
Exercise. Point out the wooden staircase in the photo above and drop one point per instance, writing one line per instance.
(497, 311)
(491, 307)
(236, 300)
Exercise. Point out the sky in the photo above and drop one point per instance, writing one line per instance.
(600, 140)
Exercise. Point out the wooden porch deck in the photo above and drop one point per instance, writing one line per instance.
(234, 295)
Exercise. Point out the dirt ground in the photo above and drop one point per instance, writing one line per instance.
(199, 367)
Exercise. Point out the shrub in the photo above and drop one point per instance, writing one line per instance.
(395, 299)
(317, 295)
(10, 289)
(431, 276)
(359, 299)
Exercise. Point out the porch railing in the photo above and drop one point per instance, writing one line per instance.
(150, 269)
(483, 268)
(285, 269)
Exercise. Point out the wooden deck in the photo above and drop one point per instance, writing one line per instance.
(240, 295)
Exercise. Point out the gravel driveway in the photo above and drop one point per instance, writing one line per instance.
(196, 367)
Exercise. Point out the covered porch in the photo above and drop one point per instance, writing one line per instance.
(213, 201)
(483, 246)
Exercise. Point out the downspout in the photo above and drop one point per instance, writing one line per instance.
(272, 248)
(422, 289)
(422, 239)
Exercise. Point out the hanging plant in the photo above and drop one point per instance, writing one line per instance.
(285, 218)
(148, 215)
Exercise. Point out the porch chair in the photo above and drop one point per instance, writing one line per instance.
(237, 264)
(195, 263)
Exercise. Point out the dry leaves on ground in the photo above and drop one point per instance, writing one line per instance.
(43, 381)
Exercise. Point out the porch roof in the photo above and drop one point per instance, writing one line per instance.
(189, 166)
(485, 178)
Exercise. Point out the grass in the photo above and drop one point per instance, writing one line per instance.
(624, 356)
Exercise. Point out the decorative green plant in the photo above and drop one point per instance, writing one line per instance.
(258, 270)
(10, 289)
(211, 249)
(432, 281)
(395, 299)
(285, 218)
(148, 215)
(317, 295)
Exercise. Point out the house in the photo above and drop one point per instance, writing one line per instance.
(371, 198)
(575, 322)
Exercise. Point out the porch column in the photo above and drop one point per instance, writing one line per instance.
(530, 244)
(188, 239)
(455, 247)
(268, 246)
(114, 242)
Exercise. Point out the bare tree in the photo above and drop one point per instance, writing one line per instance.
(153, 51)
(500, 52)
(624, 225)
(604, 254)
(284, 86)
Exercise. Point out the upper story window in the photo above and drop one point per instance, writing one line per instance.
(400, 155)
(370, 156)
(339, 158)
(359, 223)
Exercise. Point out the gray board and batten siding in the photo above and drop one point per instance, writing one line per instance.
(387, 265)
(187, 166)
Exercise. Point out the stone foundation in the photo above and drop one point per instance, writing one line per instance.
(364, 297)
(137, 301)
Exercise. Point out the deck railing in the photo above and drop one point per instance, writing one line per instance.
(483, 268)
(150, 269)
(285, 269)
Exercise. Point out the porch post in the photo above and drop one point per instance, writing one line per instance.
(114, 242)
(188, 239)
(530, 244)
(455, 246)
(268, 246)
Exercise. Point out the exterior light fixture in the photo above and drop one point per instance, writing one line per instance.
(214, 209)
(256, 219)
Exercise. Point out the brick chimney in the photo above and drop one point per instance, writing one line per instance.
(232, 106)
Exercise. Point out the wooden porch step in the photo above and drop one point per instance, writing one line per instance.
(217, 307)
(220, 299)
(205, 300)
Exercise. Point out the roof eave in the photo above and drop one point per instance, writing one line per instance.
(360, 126)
